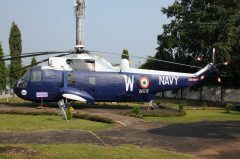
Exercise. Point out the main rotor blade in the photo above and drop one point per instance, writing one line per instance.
(26, 55)
(149, 58)
(44, 61)
(39, 52)
(55, 56)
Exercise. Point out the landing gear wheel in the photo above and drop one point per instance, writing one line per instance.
(62, 107)
(151, 106)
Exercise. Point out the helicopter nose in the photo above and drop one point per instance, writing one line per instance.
(20, 92)
(15, 90)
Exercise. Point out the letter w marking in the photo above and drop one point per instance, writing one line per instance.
(129, 81)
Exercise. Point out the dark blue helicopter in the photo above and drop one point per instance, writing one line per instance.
(90, 78)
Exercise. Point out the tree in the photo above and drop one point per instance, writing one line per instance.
(3, 82)
(197, 27)
(125, 54)
(15, 45)
(34, 62)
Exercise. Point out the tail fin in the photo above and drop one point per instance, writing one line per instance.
(205, 72)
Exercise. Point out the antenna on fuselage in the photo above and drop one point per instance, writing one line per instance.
(79, 7)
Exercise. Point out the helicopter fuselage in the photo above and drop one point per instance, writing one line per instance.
(133, 85)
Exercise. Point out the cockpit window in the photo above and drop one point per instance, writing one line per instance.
(26, 76)
(23, 82)
(36, 76)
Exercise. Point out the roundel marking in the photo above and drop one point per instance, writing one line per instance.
(144, 82)
(24, 92)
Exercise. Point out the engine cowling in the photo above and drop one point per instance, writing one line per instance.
(124, 64)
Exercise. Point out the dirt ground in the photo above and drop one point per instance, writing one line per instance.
(203, 139)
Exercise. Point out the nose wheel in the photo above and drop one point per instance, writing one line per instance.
(63, 108)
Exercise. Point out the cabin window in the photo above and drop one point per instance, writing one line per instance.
(92, 80)
(36, 76)
(49, 73)
(71, 79)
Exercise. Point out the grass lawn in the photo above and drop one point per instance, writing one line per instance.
(84, 151)
(46, 123)
(198, 116)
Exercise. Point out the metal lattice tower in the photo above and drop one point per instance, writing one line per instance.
(79, 7)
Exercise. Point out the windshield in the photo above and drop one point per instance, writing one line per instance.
(23, 82)
(26, 76)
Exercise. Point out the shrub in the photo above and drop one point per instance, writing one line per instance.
(16, 112)
(74, 115)
(158, 103)
(93, 118)
(135, 110)
(135, 115)
(69, 113)
(132, 115)
(181, 107)
(230, 107)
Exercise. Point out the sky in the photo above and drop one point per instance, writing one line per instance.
(110, 26)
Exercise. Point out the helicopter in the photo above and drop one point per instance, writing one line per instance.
(89, 78)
